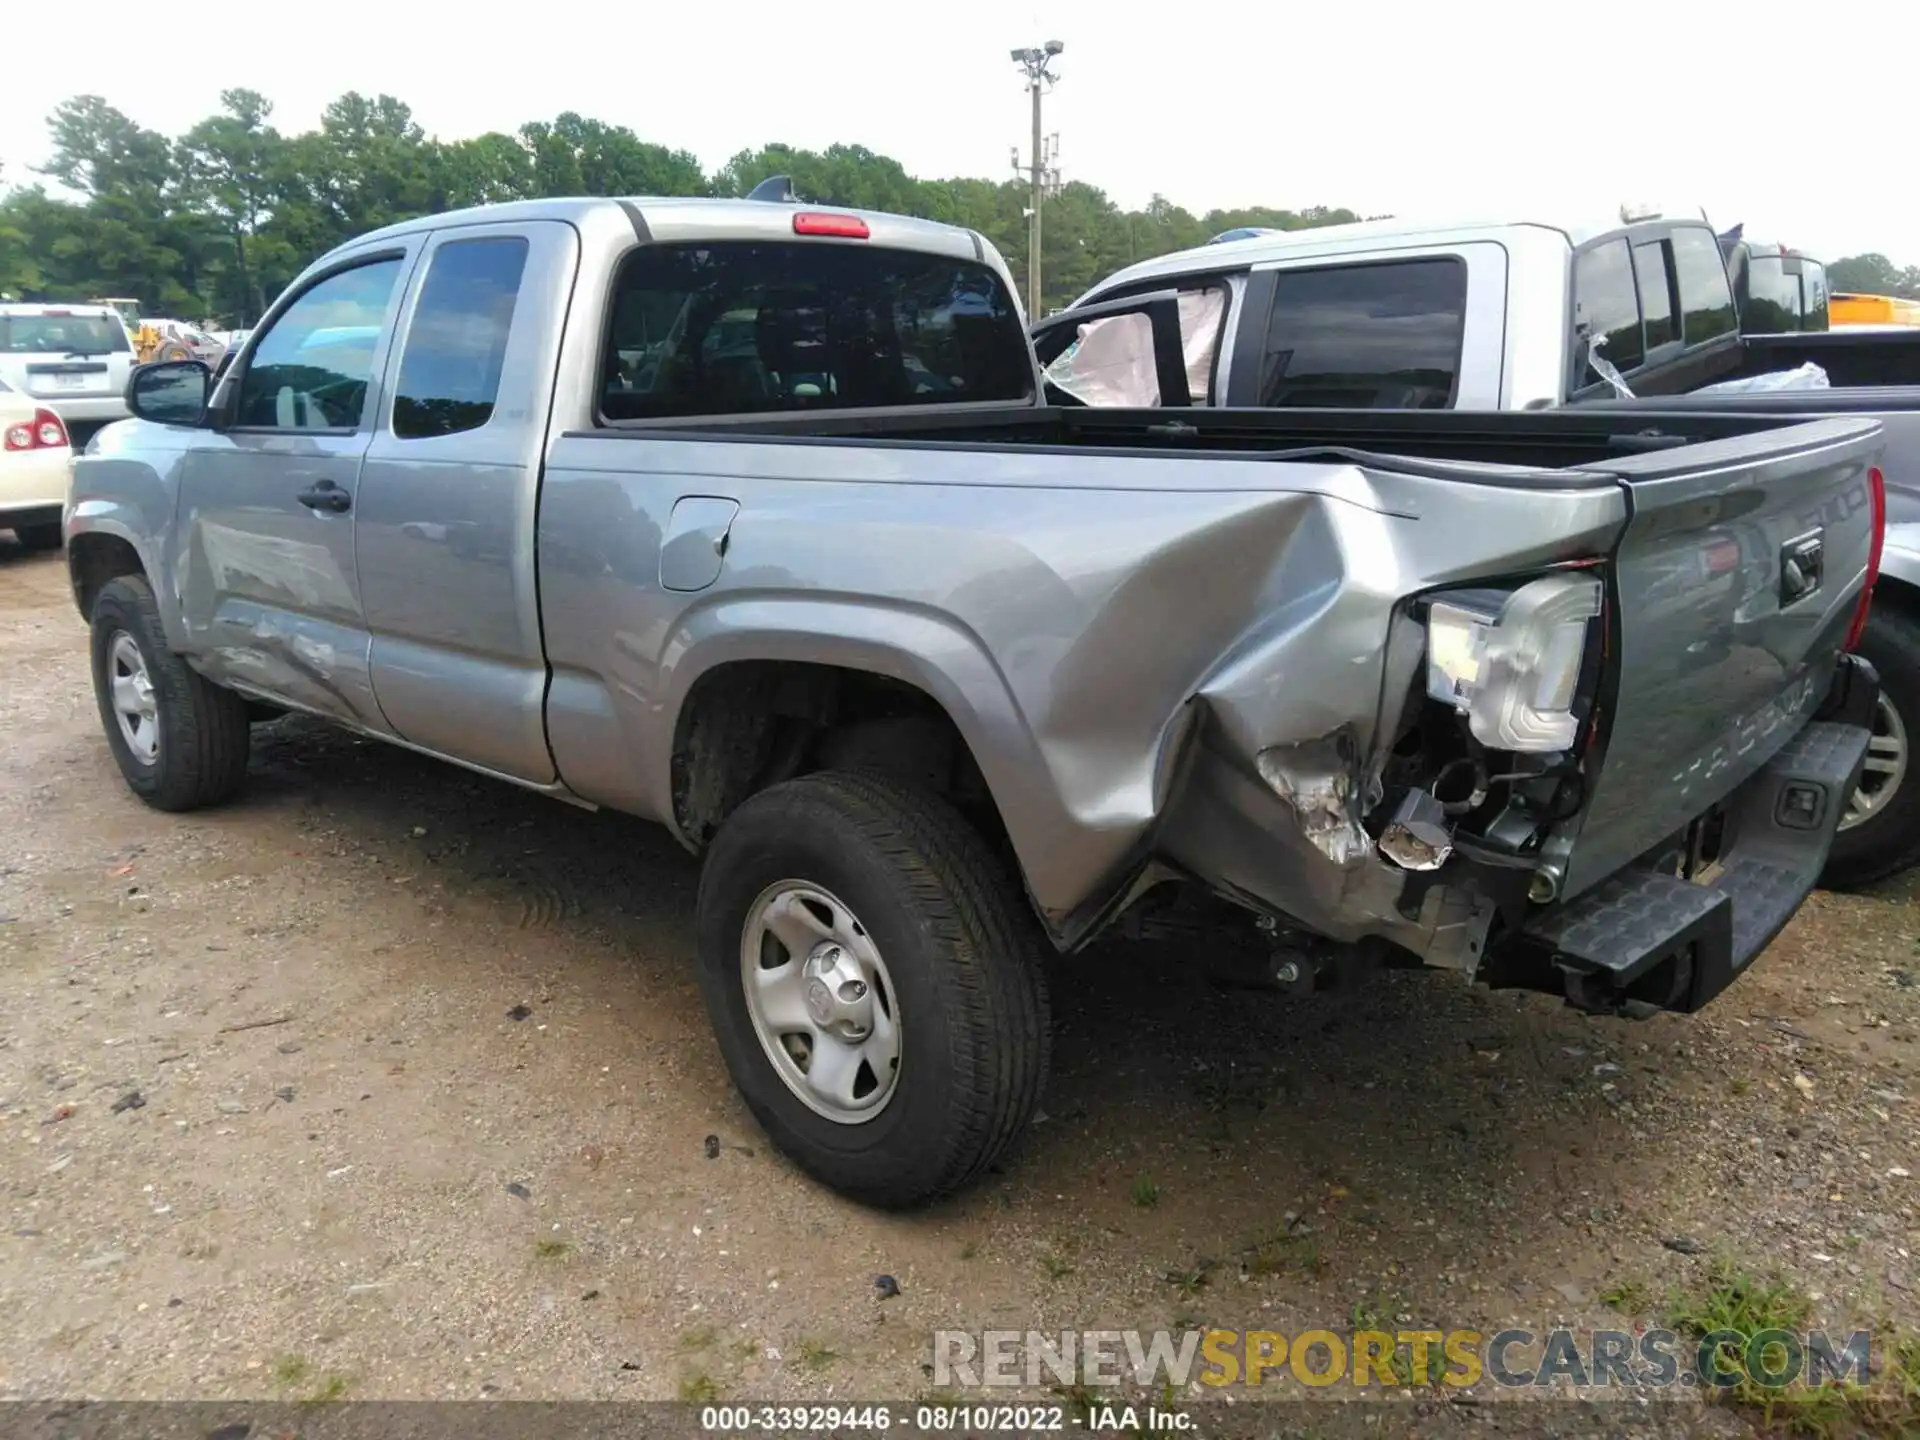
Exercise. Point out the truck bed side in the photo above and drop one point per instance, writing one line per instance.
(1076, 615)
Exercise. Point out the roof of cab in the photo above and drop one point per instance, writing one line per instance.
(681, 218)
(1361, 235)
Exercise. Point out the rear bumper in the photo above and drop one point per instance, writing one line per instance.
(34, 479)
(1646, 939)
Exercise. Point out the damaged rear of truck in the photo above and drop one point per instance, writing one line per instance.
(1511, 695)
(1587, 731)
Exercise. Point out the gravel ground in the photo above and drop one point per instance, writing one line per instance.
(424, 1091)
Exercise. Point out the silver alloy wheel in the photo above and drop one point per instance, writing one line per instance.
(821, 1001)
(1885, 769)
(134, 703)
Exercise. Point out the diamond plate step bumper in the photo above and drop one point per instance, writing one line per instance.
(1645, 940)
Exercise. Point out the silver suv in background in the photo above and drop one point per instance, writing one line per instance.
(74, 359)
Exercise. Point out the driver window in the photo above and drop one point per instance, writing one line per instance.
(310, 370)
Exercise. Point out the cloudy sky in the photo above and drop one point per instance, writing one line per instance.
(1521, 109)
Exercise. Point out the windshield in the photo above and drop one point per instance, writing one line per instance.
(54, 334)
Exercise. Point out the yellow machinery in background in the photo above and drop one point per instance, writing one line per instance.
(1876, 310)
(151, 341)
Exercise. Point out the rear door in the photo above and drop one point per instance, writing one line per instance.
(271, 585)
(446, 506)
(1737, 579)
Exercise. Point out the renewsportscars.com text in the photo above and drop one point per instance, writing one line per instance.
(1654, 1359)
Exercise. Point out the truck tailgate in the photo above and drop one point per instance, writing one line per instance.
(1737, 577)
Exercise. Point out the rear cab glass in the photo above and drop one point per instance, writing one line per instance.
(1384, 335)
(55, 332)
(761, 327)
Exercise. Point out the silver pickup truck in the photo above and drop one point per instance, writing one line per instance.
(1520, 315)
(750, 518)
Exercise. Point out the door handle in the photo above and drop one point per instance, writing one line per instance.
(326, 496)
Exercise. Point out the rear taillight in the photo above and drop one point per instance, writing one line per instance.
(1877, 499)
(846, 227)
(43, 432)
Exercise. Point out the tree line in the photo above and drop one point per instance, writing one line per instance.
(1874, 274)
(215, 222)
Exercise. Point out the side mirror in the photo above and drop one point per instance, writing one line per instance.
(171, 392)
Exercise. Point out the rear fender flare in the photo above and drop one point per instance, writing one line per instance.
(918, 648)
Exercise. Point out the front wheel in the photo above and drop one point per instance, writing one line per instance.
(179, 740)
(872, 972)
(1880, 833)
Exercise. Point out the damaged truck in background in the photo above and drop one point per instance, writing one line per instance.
(753, 519)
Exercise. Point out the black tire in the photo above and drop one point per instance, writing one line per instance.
(962, 950)
(1887, 841)
(202, 754)
(39, 537)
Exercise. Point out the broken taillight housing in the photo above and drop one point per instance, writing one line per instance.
(1510, 661)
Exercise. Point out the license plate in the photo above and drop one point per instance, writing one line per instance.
(69, 382)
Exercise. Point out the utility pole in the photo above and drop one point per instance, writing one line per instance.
(1039, 80)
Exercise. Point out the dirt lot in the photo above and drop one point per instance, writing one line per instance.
(356, 1172)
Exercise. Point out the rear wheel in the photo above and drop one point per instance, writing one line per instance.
(872, 973)
(1880, 832)
(179, 740)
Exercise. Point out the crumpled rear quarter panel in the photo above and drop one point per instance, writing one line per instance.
(1075, 613)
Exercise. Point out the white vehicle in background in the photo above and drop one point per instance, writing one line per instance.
(36, 462)
(73, 359)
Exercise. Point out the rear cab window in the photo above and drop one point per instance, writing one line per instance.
(767, 327)
(1381, 335)
(57, 332)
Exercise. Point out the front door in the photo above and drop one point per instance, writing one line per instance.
(269, 584)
